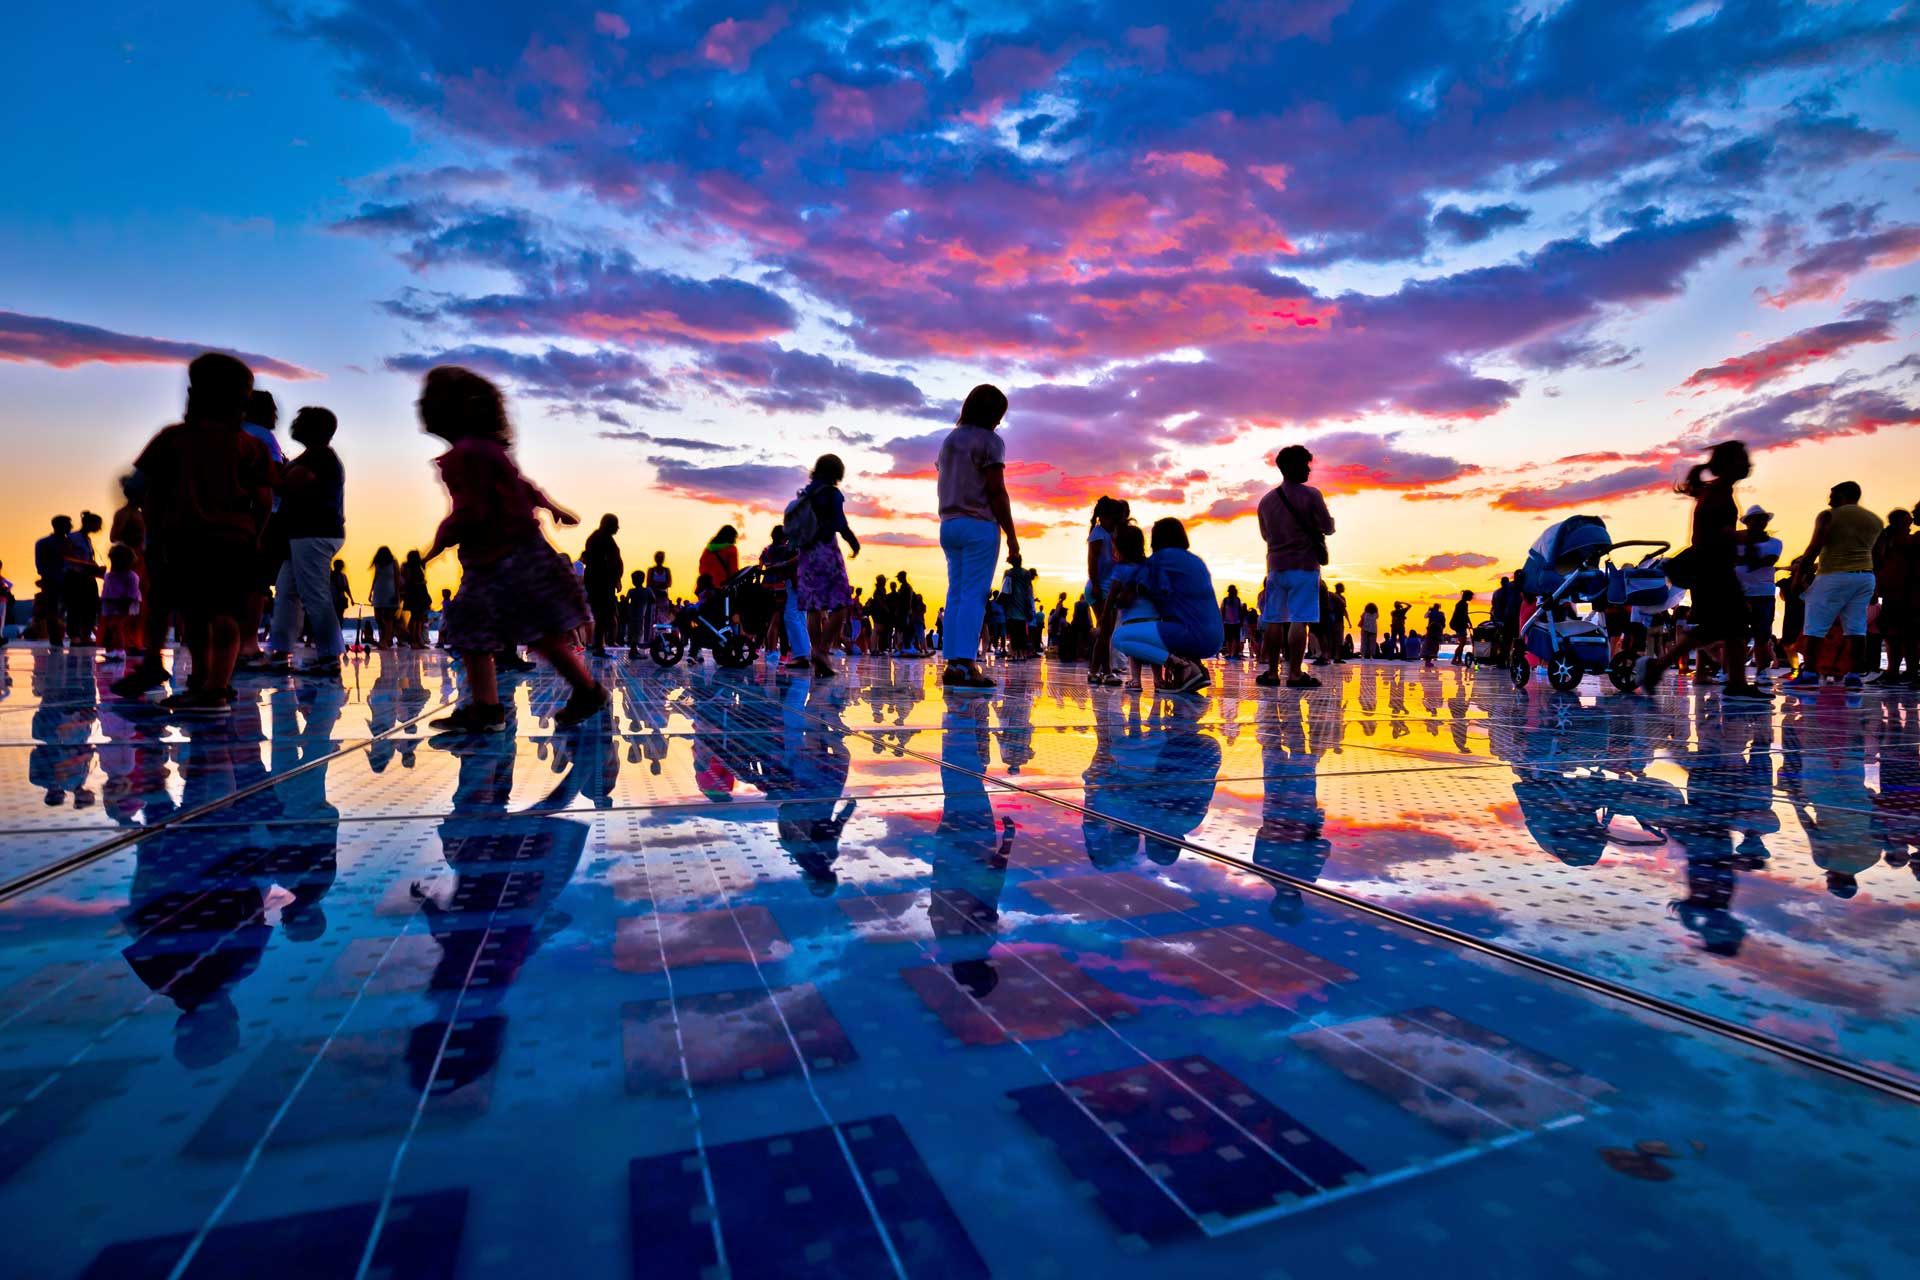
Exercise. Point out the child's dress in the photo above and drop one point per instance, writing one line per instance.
(120, 594)
(514, 587)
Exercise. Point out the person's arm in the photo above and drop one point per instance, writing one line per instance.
(1809, 559)
(295, 478)
(1322, 518)
(541, 502)
(840, 523)
(1002, 506)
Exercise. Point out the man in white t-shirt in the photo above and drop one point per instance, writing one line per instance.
(1757, 554)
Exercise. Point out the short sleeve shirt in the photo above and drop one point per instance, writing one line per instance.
(966, 456)
(1281, 512)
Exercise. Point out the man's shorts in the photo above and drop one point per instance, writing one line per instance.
(1760, 611)
(1842, 596)
(1293, 595)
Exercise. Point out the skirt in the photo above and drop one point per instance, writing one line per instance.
(822, 581)
(528, 594)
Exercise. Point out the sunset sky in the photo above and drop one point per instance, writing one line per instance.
(1495, 263)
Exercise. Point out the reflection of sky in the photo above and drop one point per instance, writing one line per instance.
(1448, 248)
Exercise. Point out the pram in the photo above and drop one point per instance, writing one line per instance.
(1486, 643)
(728, 619)
(1569, 566)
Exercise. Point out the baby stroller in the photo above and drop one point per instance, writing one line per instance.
(721, 620)
(1568, 567)
(1486, 643)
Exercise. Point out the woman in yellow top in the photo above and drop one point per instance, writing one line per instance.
(1839, 556)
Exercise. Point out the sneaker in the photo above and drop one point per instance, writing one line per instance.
(584, 705)
(472, 718)
(1749, 691)
(1302, 681)
(1267, 680)
(322, 668)
(140, 681)
(1853, 683)
(1807, 679)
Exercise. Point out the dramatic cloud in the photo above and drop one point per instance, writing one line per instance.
(592, 377)
(1607, 487)
(1827, 270)
(754, 484)
(1163, 229)
(1866, 323)
(1446, 562)
(774, 377)
(64, 344)
(1471, 226)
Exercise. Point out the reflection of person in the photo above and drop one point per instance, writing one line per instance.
(1290, 839)
(1827, 785)
(807, 782)
(197, 908)
(968, 854)
(497, 914)
(1158, 775)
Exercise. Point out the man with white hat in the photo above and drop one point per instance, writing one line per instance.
(1757, 553)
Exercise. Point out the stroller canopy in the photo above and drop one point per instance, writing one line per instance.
(1562, 548)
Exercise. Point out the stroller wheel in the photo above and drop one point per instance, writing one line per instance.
(735, 651)
(1624, 672)
(1521, 671)
(1563, 670)
(667, 648)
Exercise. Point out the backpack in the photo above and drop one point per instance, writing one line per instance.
(802, 520)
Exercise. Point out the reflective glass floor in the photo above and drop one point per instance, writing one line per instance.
(756, 976)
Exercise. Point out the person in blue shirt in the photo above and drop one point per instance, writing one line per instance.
(1186, 628)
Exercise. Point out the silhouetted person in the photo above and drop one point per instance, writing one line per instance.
(974, 511)
(312, 518)
(208, 487)
(1294, 522)
(602, 581)
(514, 587)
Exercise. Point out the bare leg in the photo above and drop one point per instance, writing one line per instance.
(1296, 649)
(223, 648)
(1271, 644)
(481, 681)
(564, 659)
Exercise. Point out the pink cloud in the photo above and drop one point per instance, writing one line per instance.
(1870, 323)
(1829, 268)
(732, 43)
(1446, 562)
(64, 344)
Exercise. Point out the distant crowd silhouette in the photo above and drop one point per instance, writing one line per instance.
(216, 522)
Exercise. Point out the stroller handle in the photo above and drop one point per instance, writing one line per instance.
(1659, 546)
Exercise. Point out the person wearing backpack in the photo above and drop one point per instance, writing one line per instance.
(1294, 523)
(974, 511)
(815, 521)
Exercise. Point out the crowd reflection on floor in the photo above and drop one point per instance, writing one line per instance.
(848, 977)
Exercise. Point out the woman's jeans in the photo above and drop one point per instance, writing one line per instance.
(973, 552)
(1141, 639)
(799, 644)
